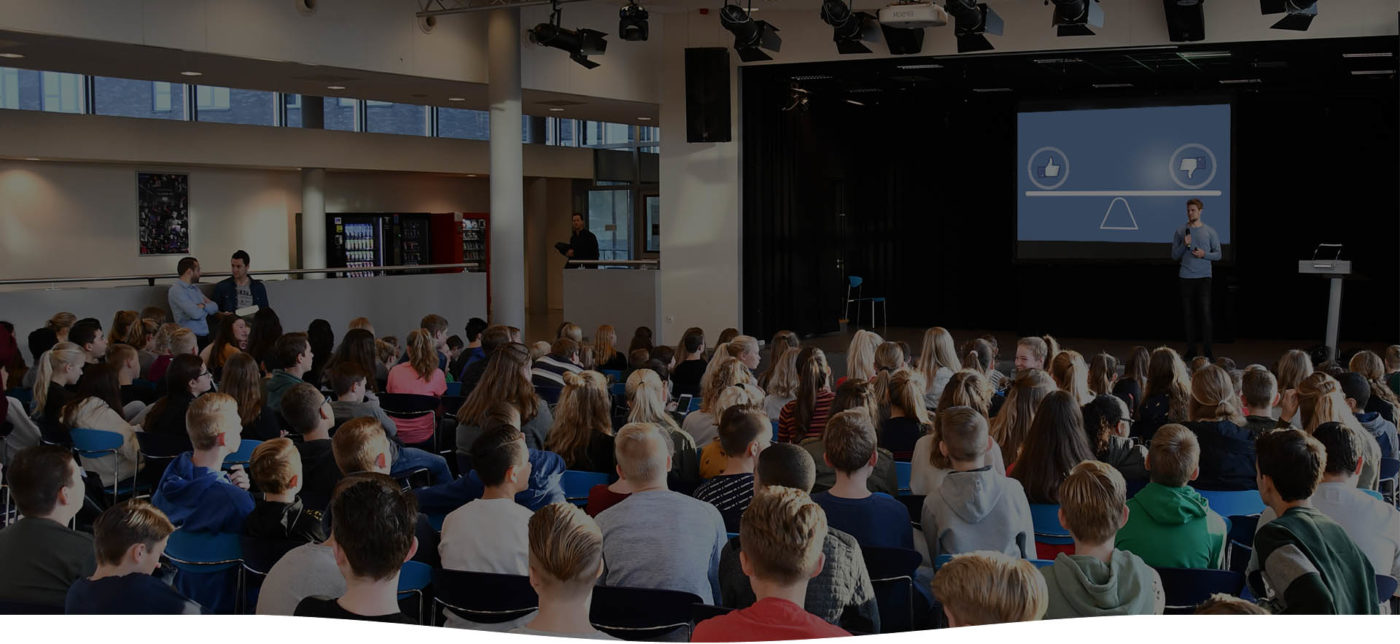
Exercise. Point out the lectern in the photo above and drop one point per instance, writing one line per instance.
(1335, 269)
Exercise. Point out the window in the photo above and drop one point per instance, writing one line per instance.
(653, 223)
(291, 110)
(597, 133)
(161, 95)
(396, 118)
(211, 98)
(610, 219)
(464, 124)
(342, 114)
(63, 92)
(9, 88)
(138, 99)
(240, 106)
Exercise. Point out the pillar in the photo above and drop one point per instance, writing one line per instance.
(313, 220)
(507, 223)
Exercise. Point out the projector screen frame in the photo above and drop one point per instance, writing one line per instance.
(1156, 253)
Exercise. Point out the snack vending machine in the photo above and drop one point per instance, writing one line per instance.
(354, 241)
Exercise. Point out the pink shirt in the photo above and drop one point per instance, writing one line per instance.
(404, 380)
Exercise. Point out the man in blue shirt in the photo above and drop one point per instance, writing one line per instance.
(1196, 246)
(188, 304)
(240, 291)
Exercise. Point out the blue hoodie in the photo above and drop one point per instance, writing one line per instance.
(198, 499)
(1383, 430)
(546, 470)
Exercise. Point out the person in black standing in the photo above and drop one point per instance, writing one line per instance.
(583, 244)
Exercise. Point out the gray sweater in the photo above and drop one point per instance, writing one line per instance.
(536, 431)
(978, 510)
(843, 583)
(665, 540)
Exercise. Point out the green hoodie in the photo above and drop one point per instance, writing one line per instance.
(1083, 586)
(1173, 527)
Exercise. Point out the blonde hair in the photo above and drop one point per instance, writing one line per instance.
(1392, 358)
(938, 351)
(1093, 497)
(163, 334)
(584, 409)
(566, 545)
(783, 531)
(1372, 368)
(783, 381)
(124, 525)
(906, 393)
(1103, 371)
(1166, 375)
(1213, 396)
(1321, 400)
(384, 352)
(183, 341)
(1222, 604)
(60, 323)
(119, 354)
(210, 415)
(889, 357)
(741, 395)
(357, 443)
(63, 354)
(604, 344)
(641, 450)
(1293, 367)
(1013, 422)
(728, 373)
(272, 467)
(741, 344)
(987, 587)
(422, 353)
(648, 397)
(860, 356)
(1072, 375)
(141, 333)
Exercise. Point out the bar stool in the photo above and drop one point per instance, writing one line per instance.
(855, 282)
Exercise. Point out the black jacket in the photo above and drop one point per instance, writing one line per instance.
(1227, 455)
(584, 244)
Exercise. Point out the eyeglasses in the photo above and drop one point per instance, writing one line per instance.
(205, 373)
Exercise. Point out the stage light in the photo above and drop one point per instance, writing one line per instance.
(1075, 17)
(1300, 13)
(750, 36)
(632, 22)
(848, 27)
(1186, 20)
(972, 21)
(580, 43)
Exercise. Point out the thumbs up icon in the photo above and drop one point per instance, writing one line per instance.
(1051, 168)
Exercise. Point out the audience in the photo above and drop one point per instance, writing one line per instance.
(493, 338)
(1167, 395)
(703, 424)
(308, 413)
(87, 334)
(582, 431)
(1056, 444)
(357, 349)
(1222, 604)
(419, 376)
(129, 539)
(1170, 525)
(646, 400)
(505, 379)
(491, 534)
(1070, 373)
(930, 466)
(177, 342)
(547, 373)
(806, 415)
(262, 339)
(1130, 385)
(1318, 399)
(43, 556)
(280, 515)
(185, 381)
(546, 471)
(96, 405)
(1031, 353)
(908, 419)
(976, 507)
(858, 395)
(743, 435)
(1358, 396)
(230, 337)
(1098, 580)
(1371, 368)
(59, 368)
(860, 356)
(985, 587)
(242, 381)
(565, 562)
(290, 359)
(1011, 427)
(781, 385)
(1107, 426)
(606, 357)
(322, 340)
(1304, 563)
(874, 519)
(1227, 448)
(1259, 394)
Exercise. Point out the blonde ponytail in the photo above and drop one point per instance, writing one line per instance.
(647, 395)
(63, 353)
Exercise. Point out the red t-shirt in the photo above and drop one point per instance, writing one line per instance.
(601, 498)
(789, 432)
(768, 619)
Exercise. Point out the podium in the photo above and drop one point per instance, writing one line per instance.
(1335, 270)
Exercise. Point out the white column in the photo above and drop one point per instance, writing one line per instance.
(507, 224)
(313, 220)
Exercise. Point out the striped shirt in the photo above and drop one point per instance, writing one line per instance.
(789, 432)
(549, 371)
(730, 494)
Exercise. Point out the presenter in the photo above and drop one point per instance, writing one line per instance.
(1196, 247)
(583, 244)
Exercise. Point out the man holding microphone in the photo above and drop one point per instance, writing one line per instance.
(1196, 246)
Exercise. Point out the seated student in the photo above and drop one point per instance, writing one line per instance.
(874, 519)
(546, 472)
(42, 556)
(1056, 444)
(59, 369)
(566, 560)
(743, 434)
(582, 432)
(547, 373)
(679, 553)
(419, 376)
(976, 507)
(373, 521)
(1319, 399)
(1170, 525)
(127, 362)
(198, 497)
(860, 395)
(1106, 426)
(1304, 563)
(97, 405)
(304, 571)
(1372, 524)
(965, 389)
(1259, 394)
(349, 381)
(806, 414)
(908, 420)
(1358, 396)
(129, 539)
(1222, 604)
(505, 379)
(277, 470)
(1371, 368)
(647, 392)
(491, 533)
(984, 587)
(1226, 446)
(783, 532)
(185, 381)
(690, 362)
(87, 334)
(364, 448)
(842, 590)
(308, 412)
(1098, 580)
(494, 337)
(291, 358)
(456, 358)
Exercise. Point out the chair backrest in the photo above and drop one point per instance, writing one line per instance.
(902, 473)
(853, 281)
(1187, 587)
(1045, 518)
(450, 405)
(244, 455)
(25, 608)
(641, 613)
(576, 484)
(484, 597)
(614, 376)
(203, 552)
(95, 443)
(914, 503)
(453, 389)
(702, 612)
(1390, 468)
(550, 395)
(1231, 502)
(1385, 587)
(408, 405)
(260, 555)
(892, 576)
(166, 446)
(414, 577)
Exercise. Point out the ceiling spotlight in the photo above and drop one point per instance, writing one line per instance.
(556, 109)
(750, 36)
(848, 27)
(580, 43)
(1075, 17)
(632, 22)
(191, 73)
(643, 118)
(10, 54)
(1300, 13)
(456, 99)
(335, 88)
(972, 22)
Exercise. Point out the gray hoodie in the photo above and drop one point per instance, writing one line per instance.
(978, 510)
(1083, 586)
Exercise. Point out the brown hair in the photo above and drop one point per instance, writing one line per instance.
(566, 545)
(242, 380)
(373, 521)
(740, 426)
(987, 587)
(783, 531)
(344, 376)
(584, 409)
(1013, 422)
(1166, 375)
(141, 333)
(126, 524)
(1056, 444)
(36, 475)
(1372, 368)
(906, 393)
(503, 380)
(1103, 369)
(121, 326)
(1174, 455)
(422, 354)
(272, 468)
(356, 444)
(1293, 367)
(1293, 460)
(301, 407)
(813, 376)
(604, 344)
(849, 440)
(1093, 497)
(1213, 396)
(433, 324)
(1195, 202)
(1072, 375)
(357, 348)
(1259, 387)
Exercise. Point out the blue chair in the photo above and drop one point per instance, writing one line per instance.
(98, 443)
(1045, 518)
(856, 282)
(612, 374)
(1241, 540)
(1234, 502)
(197, 555)
(576, 485)
(902, 473)
(259, 556)
(483, 597)
(774, 437)
(618, 389)
(1385, 590)
(892, 575)
(244, 455)
(1187, 587)
(453, 389)
(694, 404)
(413, 578)
(1390, 480)
(1378, 495)
(641, 613)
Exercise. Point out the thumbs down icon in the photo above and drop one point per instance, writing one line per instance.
(1051, 169)
(1190, 165)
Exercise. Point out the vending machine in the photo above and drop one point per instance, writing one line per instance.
(354, 241)
(475, 243)
(408, 240)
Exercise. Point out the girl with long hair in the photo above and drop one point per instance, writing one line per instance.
(266, 328)
(97, 404)
(1383, 401)
(582, 431)
(690, 363)
(506, 379)
(1167, 396)
(805, 416)
(1106, 426)
(860, 396)
(420, 376)
(928, 465)
(782, 342)
(185, 380)
(58, 368)
(322, 339)
(1012, 425)
(938, 361)
(1072, 375)
(1293, 367)
(121, 326)
(782, 382)
(1319, 399)
(889, 358)
(358, 348)
(243, 382)
(647, 394)
(1227, 446)
(606, 357)
(860, 356)
(1134, 380)
(703, 424)
(1056, 444)
(641, 339)
(1103, 374)
(60, 324)
(1392, 368)
(908, 419)
(142, 336)
(229, 338)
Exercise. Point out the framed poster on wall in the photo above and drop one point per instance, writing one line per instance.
(163, 213)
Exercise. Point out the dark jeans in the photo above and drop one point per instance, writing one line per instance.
(1195, 305)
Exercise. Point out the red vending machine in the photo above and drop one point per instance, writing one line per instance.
(446, 231)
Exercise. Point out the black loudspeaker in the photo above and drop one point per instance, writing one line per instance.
(1186, 20)
(707, 95)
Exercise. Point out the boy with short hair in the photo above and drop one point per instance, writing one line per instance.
(491, 534)
(1170, 525)
(197, 496)
(566, 560)
(783, 532)
(42, 556)
(1304, 563)
(986, 587)
(874, 519)
(350, 382)
(291, 359)
(308, 412)
(1358, 393)
(281, 515)
(129, 539)
(360, 446)
(1098, 580)
(977, 507)
(373, 521)
(743, 434)
(87, 334)
(1259, 392)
